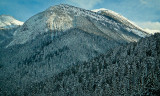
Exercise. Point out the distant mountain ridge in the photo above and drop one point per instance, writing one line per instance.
(8, 25)
(7, 22)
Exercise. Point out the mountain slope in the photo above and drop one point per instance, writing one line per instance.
(129, 70)
(44, 56)
(55, 39)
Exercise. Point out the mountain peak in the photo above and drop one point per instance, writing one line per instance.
(63, 17)
(7, 22)
(60, 6)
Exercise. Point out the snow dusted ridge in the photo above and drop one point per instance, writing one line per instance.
(121, 19)
(7, 22)
(64, 17)
(118, 17)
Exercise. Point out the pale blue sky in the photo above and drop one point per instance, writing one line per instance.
(140, 11)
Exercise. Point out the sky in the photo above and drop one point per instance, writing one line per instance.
(145, 13)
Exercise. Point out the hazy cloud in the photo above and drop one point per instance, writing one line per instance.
(143, 1)
(87, 4)
(151, 3)
(151, 27)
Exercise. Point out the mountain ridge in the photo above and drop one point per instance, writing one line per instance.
(118, 17)
(63, 17)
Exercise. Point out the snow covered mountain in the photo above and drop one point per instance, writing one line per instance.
(51, 41)
(7, 22)
(64, 17)
(119, 18)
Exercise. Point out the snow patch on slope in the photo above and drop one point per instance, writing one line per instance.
(59, 23)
